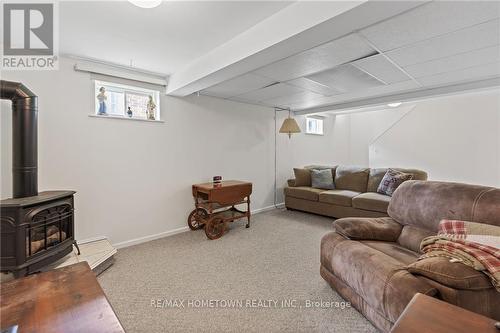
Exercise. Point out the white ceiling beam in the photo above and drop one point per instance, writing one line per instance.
(294, 29)
(405, 96)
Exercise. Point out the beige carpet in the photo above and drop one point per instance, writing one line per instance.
(276, 259)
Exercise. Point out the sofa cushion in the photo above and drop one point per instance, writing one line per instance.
(302, 177)
(372, 201)
(381, 228)
(393, 250)
(381, 280)
(322, 179)
(351, 178)
(338, 197)
(391, 181)
(452, 274)
(303, 192)
(376, 175)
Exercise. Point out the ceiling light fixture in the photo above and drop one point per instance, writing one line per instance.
(394, 105)
(289, 125)
(146, 3)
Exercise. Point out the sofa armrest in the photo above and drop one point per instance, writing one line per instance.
(367, 228)
(451, 274)
(291, 182)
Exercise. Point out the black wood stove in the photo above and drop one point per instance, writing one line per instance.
(36, 229)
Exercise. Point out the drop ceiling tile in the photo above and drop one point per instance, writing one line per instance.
(457, 62)
(430, 20)
(346, 78)
(318, 59)
(362, 94)
(381, 68)
(270, 92)
(313, 86)
(468, 74)
(238, 86)
(479, 36)
(243, 100)
(301, 97)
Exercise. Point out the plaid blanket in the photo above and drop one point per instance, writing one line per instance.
(473, 244)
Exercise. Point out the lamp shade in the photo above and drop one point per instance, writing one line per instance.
(289, 126)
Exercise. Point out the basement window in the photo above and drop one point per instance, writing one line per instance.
(314, 125)
(126, 102)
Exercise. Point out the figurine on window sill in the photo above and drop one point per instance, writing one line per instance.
(129, 112)
(101, 98)
(151, 108)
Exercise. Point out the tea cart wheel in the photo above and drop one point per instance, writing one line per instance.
(194, 219)
(215, 228)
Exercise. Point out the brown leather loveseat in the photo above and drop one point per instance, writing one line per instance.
(372, 262)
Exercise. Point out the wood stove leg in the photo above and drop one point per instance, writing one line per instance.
(76, 245)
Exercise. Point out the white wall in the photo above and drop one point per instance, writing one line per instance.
(453, 138)
(366, 127)
(132, 178)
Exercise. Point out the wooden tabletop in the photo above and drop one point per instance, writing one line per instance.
(426, 314)
(67, 299)
(223, 184)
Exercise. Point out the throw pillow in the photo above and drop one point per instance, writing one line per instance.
(302, 177)
(392, 179)
(322, 179)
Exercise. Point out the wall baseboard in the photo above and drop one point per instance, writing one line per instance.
(268, 208)
(149, 238)
(168, 233)
(90, 240)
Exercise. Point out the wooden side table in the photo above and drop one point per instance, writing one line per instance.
(426, 314)
(67, 299)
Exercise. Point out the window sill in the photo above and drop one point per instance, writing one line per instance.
(125, 118)
(317, 134)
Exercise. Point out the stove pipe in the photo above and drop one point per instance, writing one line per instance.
(24, 138)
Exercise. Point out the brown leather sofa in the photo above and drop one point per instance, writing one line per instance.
(355, 193)
(372, 262)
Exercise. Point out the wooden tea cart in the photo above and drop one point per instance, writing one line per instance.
(215, 206)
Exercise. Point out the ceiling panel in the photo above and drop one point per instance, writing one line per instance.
(346, 78)
(318, 59)
(313, 86)
(479, 36)
(468, 74)
(430, 20)
(366, 93)
(238, 85)
(271, 92)
(457, 62)
(301, 97)
(439, 43)
(381, 68)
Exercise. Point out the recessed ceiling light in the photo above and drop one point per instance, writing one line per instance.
(146, 3)
(394, 105)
